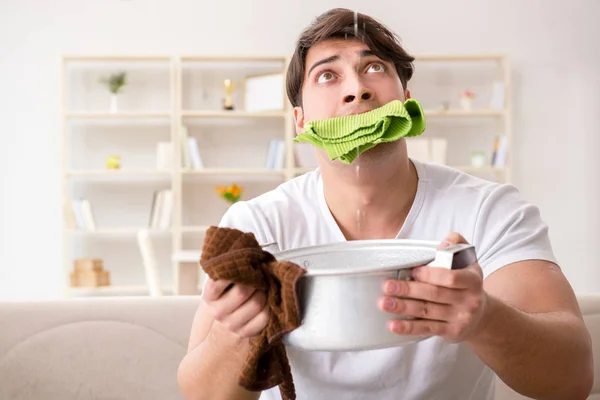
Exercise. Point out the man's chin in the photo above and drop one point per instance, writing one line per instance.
(380, 152)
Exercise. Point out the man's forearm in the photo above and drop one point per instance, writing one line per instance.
(210, 370)
(542, 356)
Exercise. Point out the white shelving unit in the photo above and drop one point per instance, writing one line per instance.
(165, 93)
(439, 79)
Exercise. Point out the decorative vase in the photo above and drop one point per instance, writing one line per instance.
(114, 105)
(466, 103)
(477, 159)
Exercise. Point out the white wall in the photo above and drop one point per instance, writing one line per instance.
(556, 98)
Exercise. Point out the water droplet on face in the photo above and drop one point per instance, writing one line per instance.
(359, 212)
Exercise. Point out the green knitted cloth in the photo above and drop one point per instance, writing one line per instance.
(344, 138)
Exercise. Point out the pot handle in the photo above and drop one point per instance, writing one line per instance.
(457, 256)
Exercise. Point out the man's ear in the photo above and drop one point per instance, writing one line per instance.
(299, 120)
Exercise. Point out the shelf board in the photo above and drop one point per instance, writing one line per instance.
(464, 113)
(113, 289)
(460, 57)
(303, 170)
(249, 64)
(117, 231)
(112, 58)
(117, 115)
(229, 58)
(235, 171)
(194, 228)
(117, 173)
(232, 114)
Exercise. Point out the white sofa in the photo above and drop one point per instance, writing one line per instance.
(122, 348)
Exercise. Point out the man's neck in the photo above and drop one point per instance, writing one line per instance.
(373, 201)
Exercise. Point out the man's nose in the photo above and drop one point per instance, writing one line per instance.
(362, 95)
(357, 92)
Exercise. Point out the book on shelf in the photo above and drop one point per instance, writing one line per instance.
(164, 155)
(276, 154)
(500, 151)
(78, 214)
(190, 152)
(161, 210)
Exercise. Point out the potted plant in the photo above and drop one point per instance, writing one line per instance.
(466, 100)
(231, 193)
(114, 83)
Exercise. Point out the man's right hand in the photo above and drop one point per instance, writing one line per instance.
(239, 308)
(227, 317)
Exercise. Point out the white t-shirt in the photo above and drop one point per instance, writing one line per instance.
(502, 226)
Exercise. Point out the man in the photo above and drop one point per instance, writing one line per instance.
(512, 314)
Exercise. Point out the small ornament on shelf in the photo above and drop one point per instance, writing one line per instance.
(89, 272)
(466, 100)
(231, 193)
(114, 83)
(477, 159)
(113, 162)
(229, 86)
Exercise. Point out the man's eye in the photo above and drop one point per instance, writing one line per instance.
(324, 77)
(376, 67)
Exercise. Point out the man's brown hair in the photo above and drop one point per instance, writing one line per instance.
(340, 23)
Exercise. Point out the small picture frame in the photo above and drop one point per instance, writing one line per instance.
(264, 92)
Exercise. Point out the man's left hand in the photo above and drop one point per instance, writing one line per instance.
(447, 303)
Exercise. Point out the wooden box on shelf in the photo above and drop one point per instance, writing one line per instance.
(89, 273)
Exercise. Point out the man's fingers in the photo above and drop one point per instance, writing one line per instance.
(419, 327)
(256, 324)
(231, 300)
(452, 239)
(416, 308)
(422, 291)
(455, 279)
(214, 289)
(246, 312)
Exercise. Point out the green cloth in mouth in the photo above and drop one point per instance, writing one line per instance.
(344, 138)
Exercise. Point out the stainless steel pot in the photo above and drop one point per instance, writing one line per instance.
(339, 293)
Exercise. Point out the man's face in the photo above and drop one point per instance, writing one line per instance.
(342, 77)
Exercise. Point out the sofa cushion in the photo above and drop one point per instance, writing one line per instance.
(94, 348)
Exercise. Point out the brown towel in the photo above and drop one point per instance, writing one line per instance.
(236, 256)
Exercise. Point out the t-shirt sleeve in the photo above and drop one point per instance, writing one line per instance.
(509, 229)
(243, 217)
(240, 216)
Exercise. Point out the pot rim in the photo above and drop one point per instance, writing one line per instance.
(429, 249)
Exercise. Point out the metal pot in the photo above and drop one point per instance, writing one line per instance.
(339, 293)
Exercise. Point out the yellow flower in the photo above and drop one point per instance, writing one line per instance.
(231, 193)
(235, 190)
